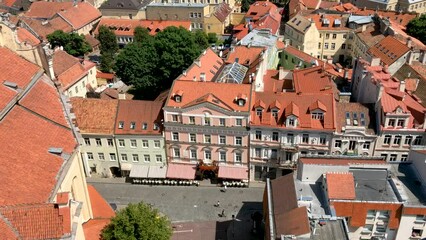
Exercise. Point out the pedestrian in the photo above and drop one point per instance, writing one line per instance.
(218, 204)
(223, 213)
(224, 188)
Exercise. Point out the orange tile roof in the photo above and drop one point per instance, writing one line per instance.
(8, 3)
(389, 50)
(93, 42)
(25, 36)
(44, 28)
(312, 4)
(125, 27)
(95, 115)
(222, 11)
(139, 112)
(246, 55)
(331, 18)
(312, 80)
(80, 15)
(46, 10)
(100, 207)
(208, 63)
(39, 221)
(352, 107)
(303, 102)
(108, 76)
(341, 162)
(259, 9)
(340, 186)
(11, 69)
(197, 92)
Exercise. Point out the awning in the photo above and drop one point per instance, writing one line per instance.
(139, 171)
(157, 172)
(126, 166)
(227, 172)
(181, 171)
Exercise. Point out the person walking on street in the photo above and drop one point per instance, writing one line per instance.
(218, 204)
(224, 188)
(223, 213)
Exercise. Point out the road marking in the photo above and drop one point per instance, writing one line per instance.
(183, 231)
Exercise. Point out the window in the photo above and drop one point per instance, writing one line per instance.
(275, 113)
(191, 120)
(319, 45)
(401, 123)
(144, 126)
(145, 144)
(222, 122)
(176, 152)
(76, 89)
(158, 158)
(222, 156)
(397, 140)
(333, 46)
(418, 140)
(404, 158)
(325, 45)
(352, 145)
(392, 158)
(222, 139)
(98, 142)
(157, 143)
(384, 156)
(135, 157)
(207, 121)
(156, 127)
(193, 154)
(343, 46)
(112, 157)
(349, 46)
(259, 112)
(239, 122)
(121, 143)
(305, 138)
(238, 157)
(334, 36)
(178, 98)
(275, 136)
(120, 125)
(258, 135)
(133, 143)
(327, 36)
(87, 141)
(288, 156)
(291, 122)
(192, 137)
(101, 156)
(199, 14)
(174, 118)
(338, 143)
(323, 139)
(207, 139)
(110, 142)
(208, 155)
(408, 140)
(146, 158)
(391, 123)
(344, 36)
(124, 157)
(387, 139)
(290, 138)
(132, 125)
(257, 152)
(317, 115)
(238, 141)
(89, 156)
(366, 146)
(175, 136)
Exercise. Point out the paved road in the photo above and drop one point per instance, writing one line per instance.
(183, 204)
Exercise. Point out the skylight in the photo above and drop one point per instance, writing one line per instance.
(233, 73)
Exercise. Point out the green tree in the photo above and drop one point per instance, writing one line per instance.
(73, 43)
(200, 38)
(245, 5)
(142, 35)
(212, 37)
(108, 40)
(107, 61)
(417, 28)
(138, 222)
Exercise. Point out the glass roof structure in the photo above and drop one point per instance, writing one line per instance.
(233, 73)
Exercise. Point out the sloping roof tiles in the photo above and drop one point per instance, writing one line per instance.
(340, 186)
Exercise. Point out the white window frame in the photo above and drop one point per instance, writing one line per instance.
(112, 157)
(133, 143)
(124, 157)
(135, 157)
(145, 143)
(157, 144)
(121, 143)
(146, 158)
(89, 156)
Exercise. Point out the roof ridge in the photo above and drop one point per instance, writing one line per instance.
(10, 225)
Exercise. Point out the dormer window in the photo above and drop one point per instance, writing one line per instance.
(274, 113)
(259, 112)
(241, 102)
(178, 98)
(120, 125)
(132, 125)
(291, 122)
(202, 77)
(144, 126)
(317, 115)
(391, 123)
(156, 127)
(401, 123)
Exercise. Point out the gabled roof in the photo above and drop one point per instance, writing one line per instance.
(42, 28)
(300, 23)
(80, 15)
(312, 80)
(336, 22)
(244, 54)
(259, 9)
(389, 50)
(94, 115)
(24, 36)
(340, 186)
(362, 114)
(317, 105)
(291, 109)
(46, 10)
(139, 112)
(125, 4)
(208, 63)
(222, 11)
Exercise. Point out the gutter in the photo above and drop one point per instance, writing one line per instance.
(270, 210)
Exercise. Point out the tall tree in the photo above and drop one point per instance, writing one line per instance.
(107, 39)
(73, 43)
(212, 37)
(417, 28)
(138, 222)
(201, 40)
(142, 35)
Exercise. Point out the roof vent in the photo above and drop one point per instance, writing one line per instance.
(10, 84)
(54, 150)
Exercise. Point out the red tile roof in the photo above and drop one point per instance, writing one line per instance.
(100, 207)
(312, 4)
(208, 63)
(94, 115)
(125, 27)
(340, 186)
(11, 69)
(108, 76)
(139, 112)
(389, 50)
(259, 9)
(8, 3)
(44, 28)
(46, 10)
(303, 102)
(26, 37)
(340, 162)
(222, 11)
(80, 15)
(312, 80)
(318, 19)
(195, 93)
(93, 42)
(246, 55)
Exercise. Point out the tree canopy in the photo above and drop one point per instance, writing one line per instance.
(107, 39)
(417, 28)
(245, 5)
(151, 66)
(141, 34)
(138, 222)
(201, 39)
(72, 43)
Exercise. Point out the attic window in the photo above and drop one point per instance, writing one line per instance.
(317, 115)
(348, 118)
(144, 126)
(362, 116)
(156, 126)
(178, 98)
(132, 125)
(120, 125)
(259, 112)
(355, 119)
(274, 113)
(241, 102)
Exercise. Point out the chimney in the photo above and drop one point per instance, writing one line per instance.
(344, 97)
(402, 86)
(281, 73)
(121, 95)
(184, 73)
(409, 42)
(374, 61)
(380, 90)
(286, 42)
(363, 27)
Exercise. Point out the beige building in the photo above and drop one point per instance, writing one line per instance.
(124, 9)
